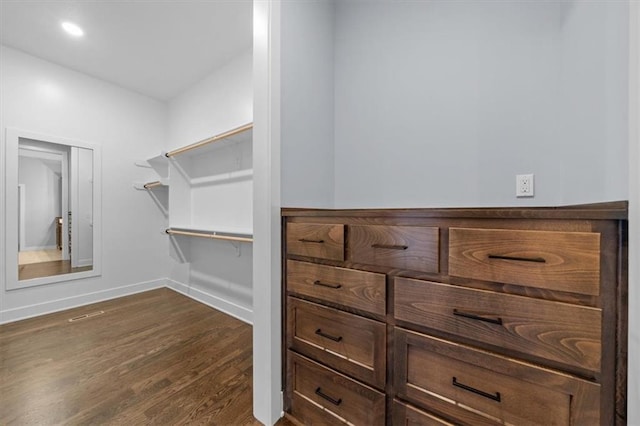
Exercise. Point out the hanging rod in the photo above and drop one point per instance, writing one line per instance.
(210, 140)
(152, 184)
(211, 234)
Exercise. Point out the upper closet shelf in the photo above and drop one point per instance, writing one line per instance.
(229, 135)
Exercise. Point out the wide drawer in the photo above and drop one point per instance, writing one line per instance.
(406, 415)
(333, 393)
(349, 343)
(324, 241)
(347, 287)
(400, 247)
(563, 261)
(477, 387)
(561, 332)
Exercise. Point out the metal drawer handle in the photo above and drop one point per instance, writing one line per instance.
(320, 283)
(494, 397)
(458, 313)
(319, 332)
(516, 258)
(389, 246)
(305, 240)
(327, 397)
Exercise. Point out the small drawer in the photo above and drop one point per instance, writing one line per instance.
(349, 343)
(563, 261)
(477, 387)
(561, 332)
(399, 247)
(334, 394)
(316, 240)
(407, 415)
(347, 287)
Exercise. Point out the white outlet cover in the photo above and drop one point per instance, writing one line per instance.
(524, 185)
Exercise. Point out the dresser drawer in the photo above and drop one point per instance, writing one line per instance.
(399, 247)
(347, 287)
(334, 393)
(349, 343)
(561, 332)
(563, 261)
(316, 240)
(477, 387)
(406, 415)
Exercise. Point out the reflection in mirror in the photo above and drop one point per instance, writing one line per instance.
(55, 182)
(55, 214)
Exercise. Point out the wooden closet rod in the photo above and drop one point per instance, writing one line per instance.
(152, 184)
(210, 140)
(209, 235)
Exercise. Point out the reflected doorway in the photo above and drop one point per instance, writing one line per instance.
(46, 192)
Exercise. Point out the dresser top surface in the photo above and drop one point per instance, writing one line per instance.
(615, 210)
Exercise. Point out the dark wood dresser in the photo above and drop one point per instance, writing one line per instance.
(487, 316)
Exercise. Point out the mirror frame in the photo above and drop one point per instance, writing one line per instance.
(12, 139)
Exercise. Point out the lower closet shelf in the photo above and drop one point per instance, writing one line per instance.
(214, 234)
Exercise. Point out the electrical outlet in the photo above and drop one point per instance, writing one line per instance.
(524, 185)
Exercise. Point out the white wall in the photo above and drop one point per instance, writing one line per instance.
(216, 274)
(267, 293)
(42, 200)
(41, 97)
(633, 409)
(307, 87)
(443, 103)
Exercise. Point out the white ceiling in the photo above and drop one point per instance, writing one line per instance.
(157, 48)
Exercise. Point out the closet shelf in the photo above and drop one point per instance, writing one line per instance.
(222, 177)
(210, 140)
(150, 185)
(214, 234)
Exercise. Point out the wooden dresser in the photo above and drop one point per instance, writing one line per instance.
(488, 316)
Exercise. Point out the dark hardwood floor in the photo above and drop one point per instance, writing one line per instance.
(152, 358)
(47, 269)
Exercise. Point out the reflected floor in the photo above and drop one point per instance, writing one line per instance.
(37, 256)
(46, 269)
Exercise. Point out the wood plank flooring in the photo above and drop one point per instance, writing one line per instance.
(47, 269)
(152, 358)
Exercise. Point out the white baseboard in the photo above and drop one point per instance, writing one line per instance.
(236, 311)
(84, 262)
(24, 312)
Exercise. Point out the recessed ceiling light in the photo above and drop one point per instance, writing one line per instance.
(73, 29)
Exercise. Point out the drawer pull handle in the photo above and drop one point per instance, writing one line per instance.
(306, 240)
(327, 397)
(320, 283)
(389, 246)
(458, 313)
(519, 259)
(456, 383)
(319, 332)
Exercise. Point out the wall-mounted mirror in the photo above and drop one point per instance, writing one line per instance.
(55, 183)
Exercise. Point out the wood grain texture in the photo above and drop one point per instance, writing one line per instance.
(557, 331)
(325, 241)
(333, 392)
(399, 247)
(615, 210)
(572, 325)
(524, 394)
(356, 289)
(407, 415)
(348, 343)
(152, 358)
(562, 261)
(47, 269)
